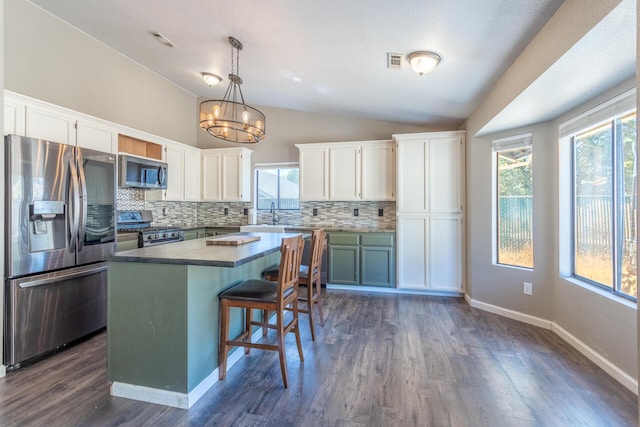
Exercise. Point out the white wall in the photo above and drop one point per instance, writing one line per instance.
(47, 59)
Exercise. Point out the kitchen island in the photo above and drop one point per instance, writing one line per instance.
(163, 314)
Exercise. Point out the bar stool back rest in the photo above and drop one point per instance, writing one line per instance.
(310, 276)
(268, 297)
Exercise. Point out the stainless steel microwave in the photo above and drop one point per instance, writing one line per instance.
(138, 172)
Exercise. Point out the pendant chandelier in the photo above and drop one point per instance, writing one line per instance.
(230, 118)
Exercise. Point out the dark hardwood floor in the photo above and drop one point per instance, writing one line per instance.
(380, 360)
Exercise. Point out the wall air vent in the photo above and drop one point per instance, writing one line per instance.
(162, 39)
(394, 61)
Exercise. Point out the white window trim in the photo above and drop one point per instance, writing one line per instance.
(508, 143)
(603, 112)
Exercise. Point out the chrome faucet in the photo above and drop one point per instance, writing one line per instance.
(274, 215)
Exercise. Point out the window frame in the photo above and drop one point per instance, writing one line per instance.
(271, 166)
(609, 111)
(510, 143)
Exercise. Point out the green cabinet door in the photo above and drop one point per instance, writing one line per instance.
(344, 265)
(194, 233)
(377, 266)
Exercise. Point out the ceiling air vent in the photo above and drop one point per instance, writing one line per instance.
(394, 61)
(162, 39)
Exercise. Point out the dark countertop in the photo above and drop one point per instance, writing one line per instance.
(197, 252)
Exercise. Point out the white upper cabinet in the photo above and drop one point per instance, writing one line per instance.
(344, 172)
(347, 171)
(192, 177)
(211, 175)
(50, 125)
(95, 136)
(226, 174)
(314, 172)
(14, 116)
(430, 172)
(378, 171)
(174, 157)
(36, 119)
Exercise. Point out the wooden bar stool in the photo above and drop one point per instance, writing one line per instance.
(266, 296)
(310, 278)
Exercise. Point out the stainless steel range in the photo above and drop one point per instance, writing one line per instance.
(140, 222)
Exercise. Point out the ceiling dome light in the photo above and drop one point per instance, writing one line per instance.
(423, 61)
(211, 79)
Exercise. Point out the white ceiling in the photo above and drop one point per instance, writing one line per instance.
(324, 56)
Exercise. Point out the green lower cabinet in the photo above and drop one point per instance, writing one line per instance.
(366, 259)
(194, 233)
(344, 262)
(377, 266)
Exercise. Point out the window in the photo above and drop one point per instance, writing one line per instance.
(278, 187)
(604, 203)
(514, 201)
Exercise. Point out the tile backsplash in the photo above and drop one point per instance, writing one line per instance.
(329, 214)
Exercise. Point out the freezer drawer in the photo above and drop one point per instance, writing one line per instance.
(46, 311)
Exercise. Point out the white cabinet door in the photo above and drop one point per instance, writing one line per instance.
(211, 175)
(445, 174)
(412, 176)
(232, 179)
(412, 252)
(174, 156)
(55, 126)
(378, 172)
(192, 167)
(226, 174)
(344, 173)
(96, 137)
(14, 117)
(445, 253)
(314, 173)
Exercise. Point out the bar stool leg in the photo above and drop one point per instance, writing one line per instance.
(319, 301)
(247, 329)
(297, 329)
(281, 349)
(310, 309)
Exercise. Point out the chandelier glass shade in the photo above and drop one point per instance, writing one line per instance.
(230, 118)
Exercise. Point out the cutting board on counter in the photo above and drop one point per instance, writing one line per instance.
(232, 240)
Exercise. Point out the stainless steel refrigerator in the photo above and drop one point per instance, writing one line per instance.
(60, 227)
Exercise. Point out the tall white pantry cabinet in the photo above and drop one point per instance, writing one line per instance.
(430, 211)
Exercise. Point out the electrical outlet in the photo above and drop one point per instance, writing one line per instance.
(380, 212)
(226, 211)
(315, 212)
(356, 212)
(527, 288)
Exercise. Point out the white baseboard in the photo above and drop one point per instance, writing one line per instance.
(3, 371)
(511, 314)
(358, 288)
(602, 362)
(173, 398)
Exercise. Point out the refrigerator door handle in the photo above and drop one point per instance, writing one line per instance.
(84, 204)
(74, 202)
(28, 282)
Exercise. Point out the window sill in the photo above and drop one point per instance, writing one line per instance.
(516, 267)
(609, 295)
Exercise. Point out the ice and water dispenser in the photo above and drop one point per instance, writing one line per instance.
(47, 225)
